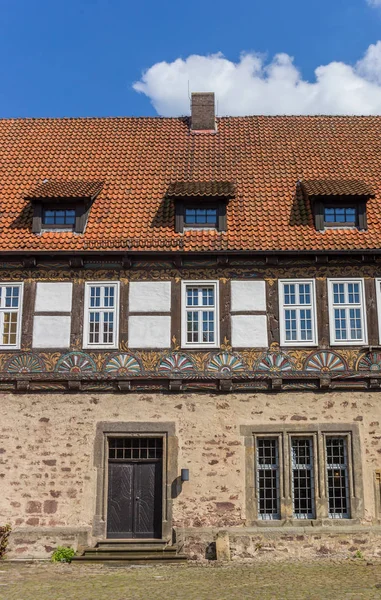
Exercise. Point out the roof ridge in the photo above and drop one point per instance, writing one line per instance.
(186, 117)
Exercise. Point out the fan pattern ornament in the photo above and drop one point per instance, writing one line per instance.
(122, 364)
(325, 361)
(176, 363)
(225, 363)
(25, 363)
(76, 362)
(371, 361)
(274, 361)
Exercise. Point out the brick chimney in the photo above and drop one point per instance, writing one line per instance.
(203, 113)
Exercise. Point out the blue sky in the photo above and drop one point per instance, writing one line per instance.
(82, 57)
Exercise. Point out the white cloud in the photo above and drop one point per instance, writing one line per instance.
(374, 2)
(254, 86)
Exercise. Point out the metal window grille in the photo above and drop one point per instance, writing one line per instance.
(101, 315)
(10, 314)
(298, 312)
(58, 217)
(347, 311)
(303, 488)
(337, 478)
(268, 478)
(135, 448)
(200, 314)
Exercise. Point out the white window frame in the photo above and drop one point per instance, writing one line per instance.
(86, 344)
(364, 340)
(18, 310)
(283, 307)
(378, 296)
(198, 283)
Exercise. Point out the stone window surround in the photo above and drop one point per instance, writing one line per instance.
(165, 430)
(318, 433)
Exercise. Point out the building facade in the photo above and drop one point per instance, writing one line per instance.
(191, 338)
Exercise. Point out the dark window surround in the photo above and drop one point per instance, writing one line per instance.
(322, 202)
(181, 205)
(81, 207)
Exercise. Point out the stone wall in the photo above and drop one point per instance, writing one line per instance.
(48, 478)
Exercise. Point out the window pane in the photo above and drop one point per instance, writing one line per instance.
(340, 324)
(290, 325)
(200, 216)
(304, 293)
(305, 324)
(95, 297)
(340, 214)
(337, 478)
(303, 478)
(58, 217)
(268, 478)
(289, 293)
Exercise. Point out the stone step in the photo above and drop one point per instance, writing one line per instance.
(140, 541)
(131, 548)
(131, 557)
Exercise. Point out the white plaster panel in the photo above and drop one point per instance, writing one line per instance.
(150, 296)
(51, 331)
(249, 331)
(53, 297)
(248, 295)
(149, 332)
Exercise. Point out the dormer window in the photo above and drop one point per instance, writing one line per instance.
(62, 205)
(195, 216)
(337, 203)
(58, 218)
(340, 216)
(200, 204)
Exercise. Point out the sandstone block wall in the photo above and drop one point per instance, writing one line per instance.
(48, 477)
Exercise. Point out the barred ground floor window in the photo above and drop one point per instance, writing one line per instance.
(303, 472)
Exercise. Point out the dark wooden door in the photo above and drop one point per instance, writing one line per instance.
(134, 499)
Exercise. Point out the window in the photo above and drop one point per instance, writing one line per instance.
(303, 472)
(200, 217)
(101, 315)
(199, 315)
(10, 315)
(268, 478)
(297, 312)
(340, 216)
(60, 217)
(303, 493)
(378, 296)
(347, 311)
(337, 477)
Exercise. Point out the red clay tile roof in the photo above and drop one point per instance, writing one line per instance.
(55, 188)
(181, 189)
(335, 187)
(138, 159)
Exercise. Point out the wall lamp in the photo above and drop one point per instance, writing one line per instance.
(184, 474)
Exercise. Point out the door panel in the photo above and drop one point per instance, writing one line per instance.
(120, 500)
(134, 500)
(148, 505)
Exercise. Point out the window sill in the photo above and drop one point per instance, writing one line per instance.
(100, 347)
(200, 347)
(304, 523)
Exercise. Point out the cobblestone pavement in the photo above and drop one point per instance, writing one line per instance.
(323, 579)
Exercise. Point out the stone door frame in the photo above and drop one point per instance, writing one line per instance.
(104, 430)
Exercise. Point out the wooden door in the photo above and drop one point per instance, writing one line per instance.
(134, 496)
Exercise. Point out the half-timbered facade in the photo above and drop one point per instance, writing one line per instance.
(190, 332)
